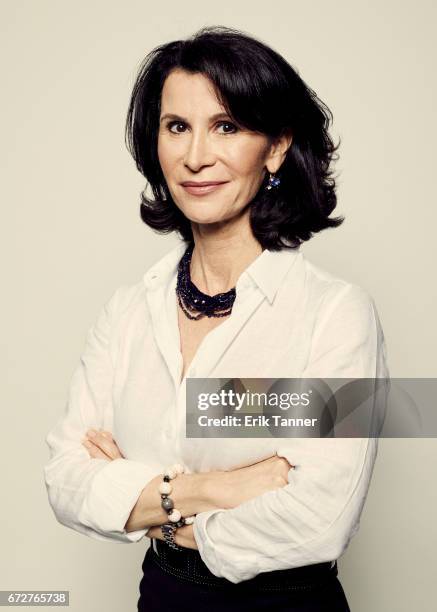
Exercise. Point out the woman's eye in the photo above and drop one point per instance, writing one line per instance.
(226, 125)
(176, 124)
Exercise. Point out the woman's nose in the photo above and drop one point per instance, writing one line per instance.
(199, 152)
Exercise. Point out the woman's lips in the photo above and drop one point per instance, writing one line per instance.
(202, 189)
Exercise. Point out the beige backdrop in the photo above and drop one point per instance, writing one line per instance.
(72, 234)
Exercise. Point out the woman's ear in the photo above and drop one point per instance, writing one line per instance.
(278, 151)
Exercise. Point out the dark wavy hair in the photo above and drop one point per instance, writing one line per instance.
(260, 91)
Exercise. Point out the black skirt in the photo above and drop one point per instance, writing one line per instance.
(180, 580)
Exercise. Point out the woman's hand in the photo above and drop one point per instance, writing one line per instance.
(231, 488)
(184, 536)
(101, 445)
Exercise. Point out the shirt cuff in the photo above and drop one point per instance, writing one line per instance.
(202, 522)
(206, 531)
(112, 495)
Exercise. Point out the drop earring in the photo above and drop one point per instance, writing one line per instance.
(274, 181)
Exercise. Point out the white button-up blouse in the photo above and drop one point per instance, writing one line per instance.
(290, 319)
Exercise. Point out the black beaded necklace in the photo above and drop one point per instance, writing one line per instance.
(191, 299)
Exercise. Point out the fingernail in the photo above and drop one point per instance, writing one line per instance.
(87, 444)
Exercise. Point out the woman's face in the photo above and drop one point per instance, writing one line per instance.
(198, 142)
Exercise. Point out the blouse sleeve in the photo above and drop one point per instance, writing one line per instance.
(311, 519)
(93, 496)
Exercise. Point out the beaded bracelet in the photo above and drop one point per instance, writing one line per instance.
(176, 519)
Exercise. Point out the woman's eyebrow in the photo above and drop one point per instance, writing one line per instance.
(179, 118)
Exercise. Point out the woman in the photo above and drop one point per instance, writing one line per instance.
(236, 150)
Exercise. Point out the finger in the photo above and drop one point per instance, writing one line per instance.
(94, 451)
(155, 532)
(184, 537)
(107, 446)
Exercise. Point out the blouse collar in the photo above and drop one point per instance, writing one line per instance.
(267, 271)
